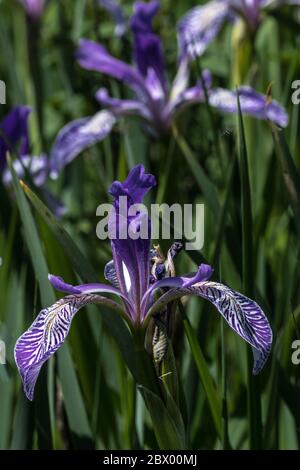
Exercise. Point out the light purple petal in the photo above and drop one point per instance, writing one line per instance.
(46, 334)
(34, 8)
(253, 103)
(96, 288)
(93, 56)
(77, 136)
(14, 133)
(122, 107)
(250, 10)
(198, 28)
(36, 166)
(205, 271)
(243, 315)
(117, 14)
(189, 96)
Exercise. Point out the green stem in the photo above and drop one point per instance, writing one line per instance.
(204, 183)
(164, 180)
(225, 436)
(216, 140)
(146, 371)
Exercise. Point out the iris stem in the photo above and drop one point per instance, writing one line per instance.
(216, 141)
(225, 436)
(146, 370)
(164, 180)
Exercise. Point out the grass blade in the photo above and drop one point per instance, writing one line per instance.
(254, 404)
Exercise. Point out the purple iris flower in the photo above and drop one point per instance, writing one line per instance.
(14, 138)
(34, 8)
(200, 25)
(14, 133)
(154, 100)
(143, 289)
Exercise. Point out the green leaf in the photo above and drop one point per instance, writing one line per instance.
(202, 179)
(44, 402)
(204, 374)
(73, 400)
(45, 385)
(254, 400)
(23, 425)
(290, 173)
(167, 422)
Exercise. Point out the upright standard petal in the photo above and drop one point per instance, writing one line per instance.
(242, 314)
(77, 136)
(46, 334)
(14, 133)
(253, 103)
(148, 53)
(199, 27)
(117, 14)
(130, 253)
(135, 187)
(34, 8)
(250, 10)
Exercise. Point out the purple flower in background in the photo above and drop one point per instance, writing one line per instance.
(117, 14)
(200, 25)
(14, 134)
(143, 287)
(154, 99)
(34, 8)
(14, 138)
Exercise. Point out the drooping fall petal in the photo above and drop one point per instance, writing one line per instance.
(46, 334)
(77, 136)
(242, 314)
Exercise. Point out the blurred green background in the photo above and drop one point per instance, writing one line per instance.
(87, 397)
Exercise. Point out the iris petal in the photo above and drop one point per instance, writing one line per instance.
(117, 14)
(147, 46)
(242, 314)
(253, 103)
(135, 187)
(46, 334)
(77, 136)
(93, 56)
(122, 107)
(59, 284)
(200, 26)
(14, 133)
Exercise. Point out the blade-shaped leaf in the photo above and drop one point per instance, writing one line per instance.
(254, 404)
